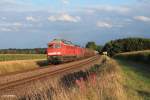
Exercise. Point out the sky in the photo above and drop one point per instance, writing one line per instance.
(34, 23)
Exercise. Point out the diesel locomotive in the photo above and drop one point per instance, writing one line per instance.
(60, 50)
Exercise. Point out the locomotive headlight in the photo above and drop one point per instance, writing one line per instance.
(54, 53)
(58, 53)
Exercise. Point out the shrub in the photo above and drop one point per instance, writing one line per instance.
(126, 45)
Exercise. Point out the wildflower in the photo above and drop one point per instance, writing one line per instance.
(81, 83)
(92, 79)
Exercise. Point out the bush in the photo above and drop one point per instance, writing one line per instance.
(126, 45)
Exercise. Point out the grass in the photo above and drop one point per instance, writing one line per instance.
(136, 74)
(137, 80)
(12, 57)
(20, 62)
(138, 56)
(23, 65)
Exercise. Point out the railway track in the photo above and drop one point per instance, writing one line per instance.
(50, 73)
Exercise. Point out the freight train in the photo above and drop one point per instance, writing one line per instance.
(60, 50)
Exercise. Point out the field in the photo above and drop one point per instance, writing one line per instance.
(136, 74)
(12, 57)
(21, 65)
(137, 80)
(138, 56)
(20, 62)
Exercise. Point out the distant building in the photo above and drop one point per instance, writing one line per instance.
(105, 53)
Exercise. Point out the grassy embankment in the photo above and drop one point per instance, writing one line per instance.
(19, 62)
(136, 72)
(100, 82)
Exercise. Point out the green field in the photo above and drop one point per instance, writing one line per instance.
(12, 57)
(137, 80)
(138, 56)
(136, 74)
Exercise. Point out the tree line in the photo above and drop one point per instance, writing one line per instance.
(112, 47)
(92, 45)
(126, 45)
(23, 51)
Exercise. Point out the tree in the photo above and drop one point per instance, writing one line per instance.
(126, 45)
(99, 48)
(91, 45)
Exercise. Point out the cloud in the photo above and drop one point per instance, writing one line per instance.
(64, 18)
(18, 5)
(7, 27)
(107, 8)
(65, 1)
(3, 18)
(31, 18)
(4, 29)
(7, 24)
(103, 24)
(142, 18)
(145, 1)
(111, 24)
(17, 24)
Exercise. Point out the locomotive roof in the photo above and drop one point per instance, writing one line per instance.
(64, 41)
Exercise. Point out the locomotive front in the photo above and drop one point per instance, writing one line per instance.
(54, 52)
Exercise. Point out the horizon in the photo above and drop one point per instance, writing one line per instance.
(76, 44)
(34, 23)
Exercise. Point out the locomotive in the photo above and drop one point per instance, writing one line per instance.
(60, 50)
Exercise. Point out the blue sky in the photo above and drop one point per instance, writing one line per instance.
(33, 23)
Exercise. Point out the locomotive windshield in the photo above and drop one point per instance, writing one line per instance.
(50, 46)
(54, 45)
(57, 46)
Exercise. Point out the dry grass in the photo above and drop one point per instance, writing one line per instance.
(14, 66)
(105, 85)
(108, 86)
(19, 62)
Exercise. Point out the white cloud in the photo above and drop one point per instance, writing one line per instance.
(121, 9)
(107, 8)
(7, 24)
(103, 24)
(31, 18)
(145, 1)
(65, 1)
(142, 18)
(110, 24)
(64, 18)
(7, 27)
(17, 24)
(3, 18)
(4, 29)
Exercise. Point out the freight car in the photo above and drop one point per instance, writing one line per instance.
(60, 50)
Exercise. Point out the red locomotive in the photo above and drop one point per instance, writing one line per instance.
(63, 51)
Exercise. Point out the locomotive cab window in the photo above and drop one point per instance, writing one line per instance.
(50, 46)
(57, 46)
